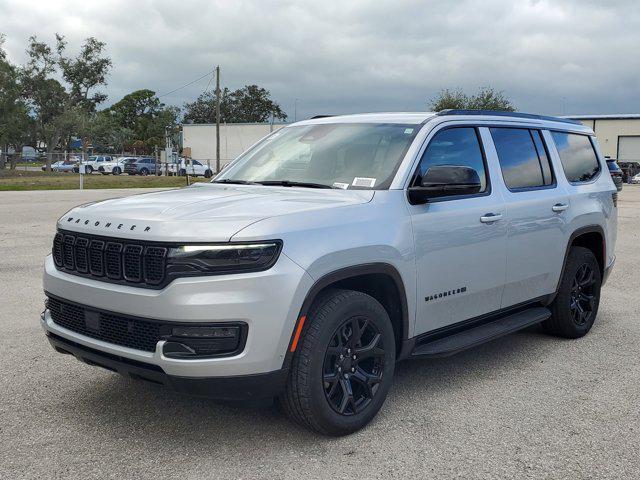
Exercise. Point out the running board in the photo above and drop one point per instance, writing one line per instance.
(443, 347)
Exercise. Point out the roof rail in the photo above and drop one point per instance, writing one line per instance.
(501, 113)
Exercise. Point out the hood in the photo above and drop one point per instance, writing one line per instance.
(203, 212)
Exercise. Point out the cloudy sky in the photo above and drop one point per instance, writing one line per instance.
(340, 56)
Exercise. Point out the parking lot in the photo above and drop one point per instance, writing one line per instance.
(526, 406)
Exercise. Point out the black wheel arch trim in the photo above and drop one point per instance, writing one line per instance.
(344, 274)
(577, 233)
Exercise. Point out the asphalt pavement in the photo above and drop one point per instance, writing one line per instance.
(525, 406)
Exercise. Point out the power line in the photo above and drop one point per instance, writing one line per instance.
(208, 84)
(185, 85)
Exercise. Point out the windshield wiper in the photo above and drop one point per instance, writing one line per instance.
(236, 182)
(292, 183)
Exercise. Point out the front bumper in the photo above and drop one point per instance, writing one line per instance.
(267, 302)
(237, 388)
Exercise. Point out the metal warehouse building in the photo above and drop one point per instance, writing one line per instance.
(235, 138)
(618, 135)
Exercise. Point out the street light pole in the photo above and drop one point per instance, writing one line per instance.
(217, 118)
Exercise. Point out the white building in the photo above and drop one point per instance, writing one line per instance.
(618, 135)
(235, 138)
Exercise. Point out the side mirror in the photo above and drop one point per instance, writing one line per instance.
(445, 181)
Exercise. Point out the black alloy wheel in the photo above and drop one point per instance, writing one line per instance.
(353, 366)
(343, 364)
(583, 296)
(575, 307)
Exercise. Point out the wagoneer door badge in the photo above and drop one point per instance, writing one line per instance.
(448, 293)
(109, 225)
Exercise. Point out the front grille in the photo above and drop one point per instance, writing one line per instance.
(110, 260)
(108, 327)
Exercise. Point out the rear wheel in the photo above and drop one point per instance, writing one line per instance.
(576, 305)
(88, 169)
(207, 174)
(116, 171)
(343, 366)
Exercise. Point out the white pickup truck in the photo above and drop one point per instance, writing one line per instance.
(190, 166)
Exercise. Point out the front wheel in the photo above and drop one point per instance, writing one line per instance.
(343, 366)
(576, 305)
(144, 172)
(88, 169)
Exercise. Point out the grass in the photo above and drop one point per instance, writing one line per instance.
(27, 180)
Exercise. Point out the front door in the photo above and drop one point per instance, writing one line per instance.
(460, 241)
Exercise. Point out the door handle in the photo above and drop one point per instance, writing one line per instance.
(559, 207)
(490, 217)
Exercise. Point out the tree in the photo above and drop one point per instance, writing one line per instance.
(142, 113)
(56, 107)
(15, 123)
(487, 98)
(136, 106)
(249, 104)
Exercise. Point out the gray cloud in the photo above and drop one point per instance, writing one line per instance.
(550, 57)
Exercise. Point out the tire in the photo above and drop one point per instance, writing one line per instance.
(116, 171)
(88, 169)
(144, 172)
(576, 305)
(182, 172)
(318, 379)
(207, 174)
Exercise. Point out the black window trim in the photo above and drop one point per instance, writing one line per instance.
(552, 185)
(596, 177)
(487, 171)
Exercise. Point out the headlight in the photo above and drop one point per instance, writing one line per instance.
(223, 258)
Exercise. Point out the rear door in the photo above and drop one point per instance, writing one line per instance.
(460, 241)
(536, 213)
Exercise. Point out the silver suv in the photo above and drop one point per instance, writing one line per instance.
(334, 248)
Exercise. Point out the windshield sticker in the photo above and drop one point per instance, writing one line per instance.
(341, 185)
(363, 182)
(408, 131)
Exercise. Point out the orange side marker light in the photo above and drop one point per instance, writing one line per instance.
(296, 337)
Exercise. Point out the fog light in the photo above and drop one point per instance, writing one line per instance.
(202, 341)
(205, 332)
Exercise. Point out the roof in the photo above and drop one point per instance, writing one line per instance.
(421, 117)
(612, 116)
(382, 117)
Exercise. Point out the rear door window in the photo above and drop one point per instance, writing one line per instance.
(523, 158)
(577, 155)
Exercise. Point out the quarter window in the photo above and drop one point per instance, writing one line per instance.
(523, 158)
(577, 155)
(458, 146)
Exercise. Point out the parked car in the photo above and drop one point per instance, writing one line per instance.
(61, 166)
(616, 172)
(190, 166)
(55, 164)
(635, 179)
(115, 166)
(93, 163)
(335, 248)
(141, 166)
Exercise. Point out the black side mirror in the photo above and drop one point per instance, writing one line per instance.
(445, 181)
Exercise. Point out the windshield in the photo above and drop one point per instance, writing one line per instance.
(338, 155)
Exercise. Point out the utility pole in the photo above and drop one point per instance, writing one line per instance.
(217, 118)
